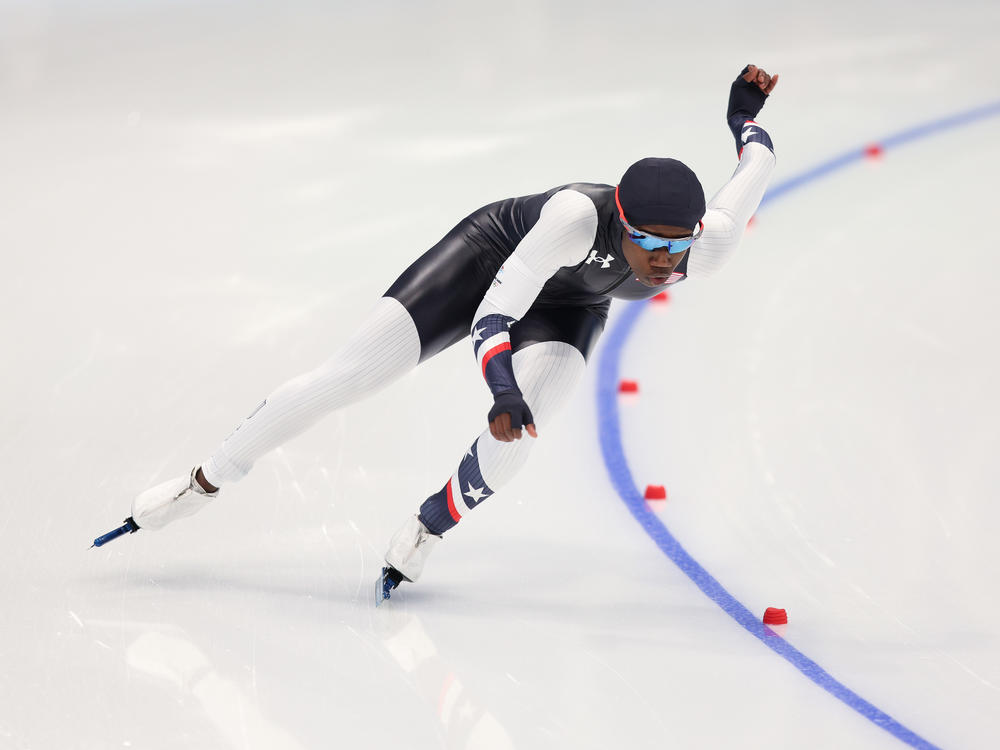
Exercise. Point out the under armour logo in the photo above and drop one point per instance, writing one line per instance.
(605, 262)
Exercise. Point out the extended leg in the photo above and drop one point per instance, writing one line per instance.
(386, 347)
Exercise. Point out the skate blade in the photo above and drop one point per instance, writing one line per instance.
(384, 587)
(129, 527)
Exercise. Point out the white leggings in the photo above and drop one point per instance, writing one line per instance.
(386, 347)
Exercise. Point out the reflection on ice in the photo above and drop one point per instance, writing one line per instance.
(467, 724)
(171, 657)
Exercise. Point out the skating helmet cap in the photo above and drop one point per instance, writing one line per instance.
(661, 191)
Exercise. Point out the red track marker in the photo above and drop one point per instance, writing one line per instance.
(656, 492)
(775, 616)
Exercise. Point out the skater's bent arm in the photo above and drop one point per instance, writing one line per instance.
(565, 230)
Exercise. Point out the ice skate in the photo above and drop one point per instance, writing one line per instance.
(408, 551)
(159, 505)
(174, 499)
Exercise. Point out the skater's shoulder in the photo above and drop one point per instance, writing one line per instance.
(598, 192)
(588, 198)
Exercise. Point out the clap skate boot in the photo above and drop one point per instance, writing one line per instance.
(159, 505)
(408, 551)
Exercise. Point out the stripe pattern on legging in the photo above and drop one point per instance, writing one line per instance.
(546, 373)
(385, 347)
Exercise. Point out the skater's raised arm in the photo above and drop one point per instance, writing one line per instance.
(732, 207)
(564, 232)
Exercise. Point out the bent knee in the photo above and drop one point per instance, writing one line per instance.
(547, 373)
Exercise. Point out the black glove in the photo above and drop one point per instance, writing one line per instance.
(511, 402)
(745, 99)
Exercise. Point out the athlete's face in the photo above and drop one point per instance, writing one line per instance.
(653, 267)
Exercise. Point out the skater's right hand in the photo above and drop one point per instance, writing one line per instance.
(508, 414)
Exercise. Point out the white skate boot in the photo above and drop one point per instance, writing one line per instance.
(175, 498)
(408, 551)
(410, 547)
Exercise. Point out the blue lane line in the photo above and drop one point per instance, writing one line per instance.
(621, 476)
(923, 130)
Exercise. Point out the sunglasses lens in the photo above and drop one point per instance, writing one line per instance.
(657, 243)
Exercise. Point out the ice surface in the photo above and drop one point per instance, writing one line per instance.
(199, 200)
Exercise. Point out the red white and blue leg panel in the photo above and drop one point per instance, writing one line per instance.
(464, 491)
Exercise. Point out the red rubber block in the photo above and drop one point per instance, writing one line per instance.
(775, 616)
(656, 492)
(661, 298)
(873, 150)
(628, 386)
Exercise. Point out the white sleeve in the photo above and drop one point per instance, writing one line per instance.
(563, 234)
(730, 210)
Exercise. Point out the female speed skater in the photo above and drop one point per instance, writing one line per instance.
(531, 279)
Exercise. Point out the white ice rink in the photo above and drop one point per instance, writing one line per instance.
(199, 200)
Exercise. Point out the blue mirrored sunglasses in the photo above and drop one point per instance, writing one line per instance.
(651, 242)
